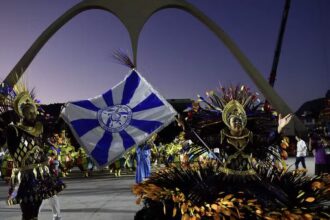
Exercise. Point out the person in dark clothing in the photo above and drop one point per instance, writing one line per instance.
(31, 180)
(318, 148)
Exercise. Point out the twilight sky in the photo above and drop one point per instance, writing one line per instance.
(177, 54)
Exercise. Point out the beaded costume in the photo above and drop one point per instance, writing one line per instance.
(31, 181)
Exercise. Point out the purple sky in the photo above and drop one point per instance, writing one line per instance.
(177, 54)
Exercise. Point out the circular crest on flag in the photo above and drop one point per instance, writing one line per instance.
(114, 118)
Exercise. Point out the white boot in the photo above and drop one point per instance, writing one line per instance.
(57, 217)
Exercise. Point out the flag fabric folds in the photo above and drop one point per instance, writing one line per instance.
(123, 117)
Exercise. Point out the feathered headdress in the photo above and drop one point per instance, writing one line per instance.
(232, 100)
(240, 93)
(13, 98)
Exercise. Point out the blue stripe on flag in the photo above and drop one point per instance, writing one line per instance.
(146, 126)
(86, 104)
(128, 141)
(101, 150)
(108, 98)
(131, 84)
(152, 101)
(82, 126)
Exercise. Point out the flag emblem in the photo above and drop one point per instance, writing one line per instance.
(115, 118)
(119, 119)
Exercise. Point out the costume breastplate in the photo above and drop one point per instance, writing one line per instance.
(236, 160)
(29, 151)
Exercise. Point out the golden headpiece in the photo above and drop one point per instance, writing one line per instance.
(22, 99)
(233, 109)
(15, 98)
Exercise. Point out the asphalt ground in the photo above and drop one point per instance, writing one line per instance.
(99, 197)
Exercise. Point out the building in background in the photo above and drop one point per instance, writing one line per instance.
(315, 114)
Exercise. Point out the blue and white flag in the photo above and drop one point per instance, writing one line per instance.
(125, 116)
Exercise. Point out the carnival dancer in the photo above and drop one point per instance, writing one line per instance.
(67, 155)
(54, 166)
(82, 162)
(6, 167)
(242, 182)
(31, 180)
(116, 166)
(143, 165)
(130, 157)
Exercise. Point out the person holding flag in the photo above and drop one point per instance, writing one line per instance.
(143, 166)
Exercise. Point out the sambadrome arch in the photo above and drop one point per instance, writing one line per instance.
(134, 14)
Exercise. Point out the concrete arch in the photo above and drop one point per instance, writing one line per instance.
(134, 14)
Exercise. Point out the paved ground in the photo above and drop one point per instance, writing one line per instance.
(99, 197)
(310, 163)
